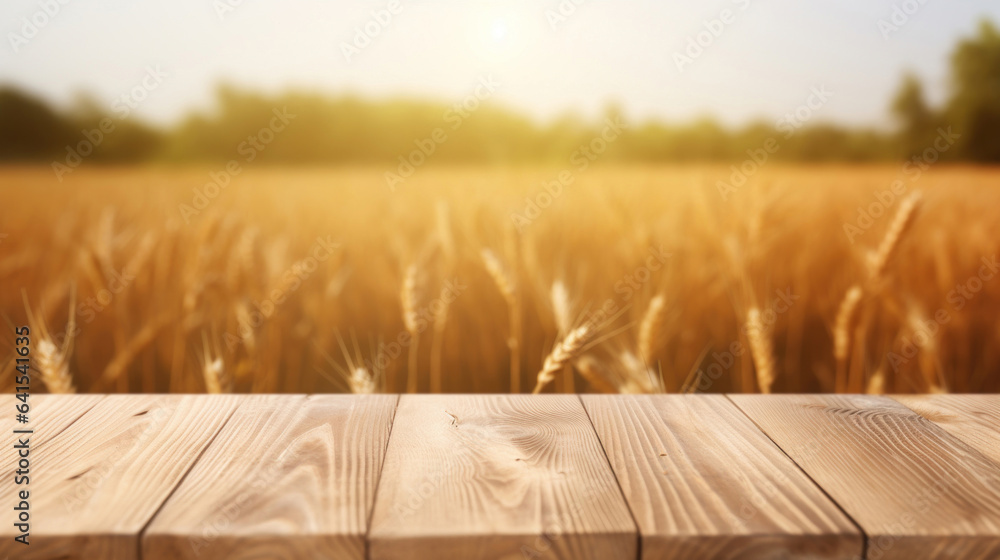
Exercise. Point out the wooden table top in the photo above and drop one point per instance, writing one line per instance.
(505, 477)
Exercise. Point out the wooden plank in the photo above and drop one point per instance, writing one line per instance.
(916, 490)
(48, 417)
(98, 483)
(288, 477)
(703, 482)
(498, 477)
(974, 419)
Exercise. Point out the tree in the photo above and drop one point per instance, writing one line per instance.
(917, 121)
(974, 108)
(29, 129)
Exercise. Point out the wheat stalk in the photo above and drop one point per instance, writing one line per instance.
(651, 329)
(437, 347)
(760, 350)
(561, 356)
(561, 307)
(501, 277)
(876, 383)
(844, 321)
(562, 311)
(904, 216)
(877, 261)
(508, 287)
(594, 373)
(411, 321)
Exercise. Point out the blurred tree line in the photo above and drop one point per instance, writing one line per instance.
(304, 127)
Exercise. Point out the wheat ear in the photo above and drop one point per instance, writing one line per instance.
(876, 268)
(410, 320)
(561, 356)
(508, 287)
(843, 323)
(651, 329)
(903, 218)
(54, 369)
(53, 361)
(214, 371)
(561, 307)
(362, 382)
(761, 350)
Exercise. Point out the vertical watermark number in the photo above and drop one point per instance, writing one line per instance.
(22, 434)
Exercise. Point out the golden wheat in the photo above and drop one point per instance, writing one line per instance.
(844, 322)
(890, 241)
(848, 308)
(54, 369)
(411, 322)
(561, 356)
(150, 283)
(760, 350)
(507, 285)
(651, 329)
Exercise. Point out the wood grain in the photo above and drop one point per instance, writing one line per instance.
(49, 414)
(288, 477)
(99, 482)
(704, 482)
(974, 419)
(916, 490)
(500, 478)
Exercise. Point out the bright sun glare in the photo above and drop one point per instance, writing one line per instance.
(502, 33)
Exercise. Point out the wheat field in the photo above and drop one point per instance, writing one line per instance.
(478, 279)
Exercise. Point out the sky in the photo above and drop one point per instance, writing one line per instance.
(756, 59)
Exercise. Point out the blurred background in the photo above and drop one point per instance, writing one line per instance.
(565, 195)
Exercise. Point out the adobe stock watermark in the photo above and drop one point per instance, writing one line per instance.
(365, 34)
(912, 171)
(580, 160)
(322, 249)
(907, 523)
(249, 149)
(900, 15)
(88, 309)
(562, 12)
(721, 362)
(788, 125)
(926, 331)
(32, 25)
(627, 287)
(424, 318)
(264, 478)
(122, 107)
(84, 486)
(225, 7)
(713, 29)
(417, 496)
(454, 116)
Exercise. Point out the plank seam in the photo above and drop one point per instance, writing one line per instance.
(864, 534)
(378, 483)
(180, 481)
(621, 491)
